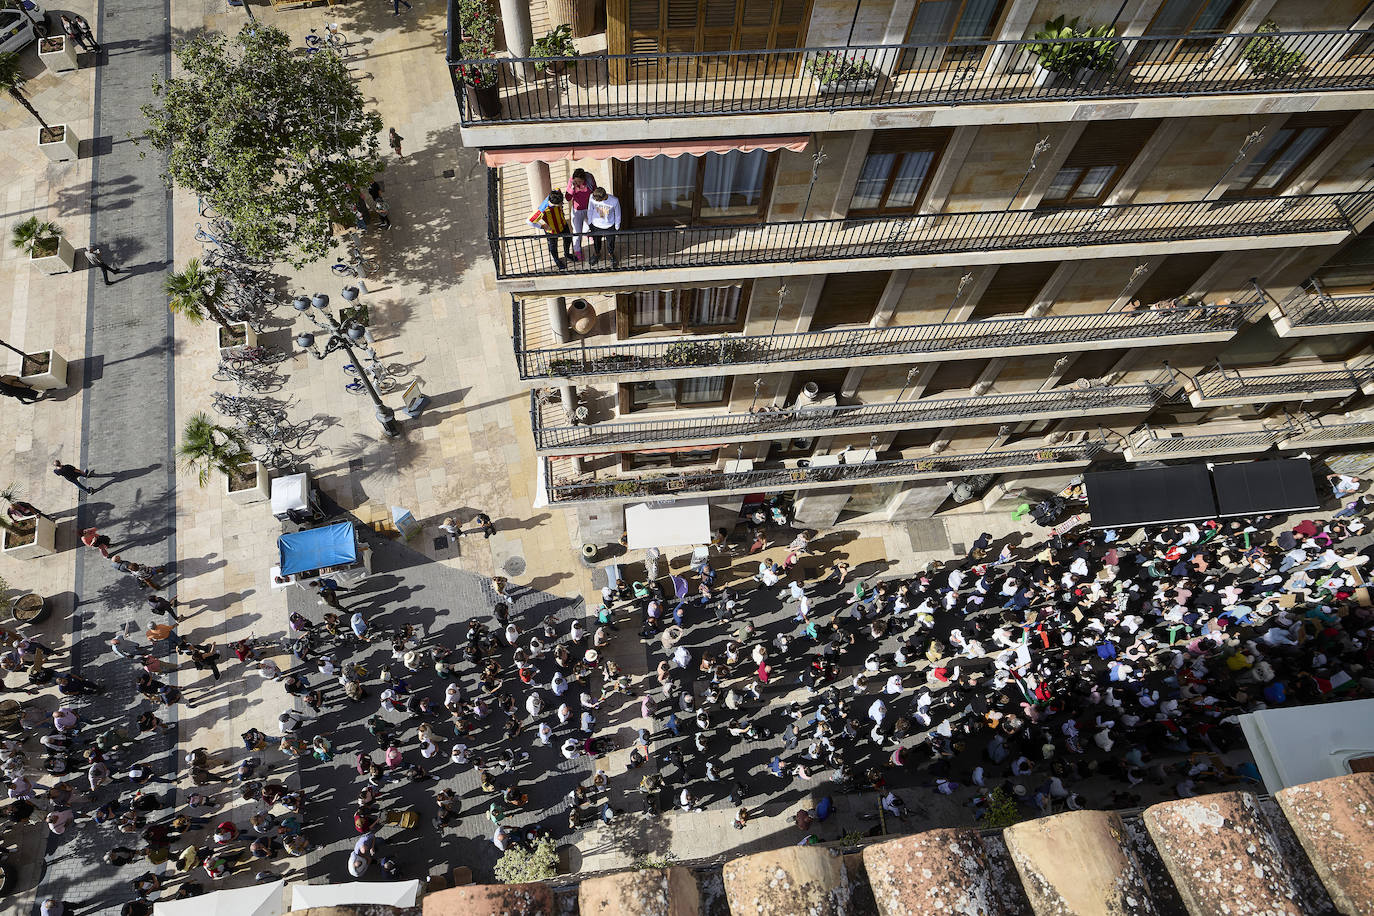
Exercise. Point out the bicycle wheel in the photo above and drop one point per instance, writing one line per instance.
(344, 270)
(355, 387)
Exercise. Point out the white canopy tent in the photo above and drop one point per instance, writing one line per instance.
(258, 900)
(386, 893)
(1299, 744)
(676, 524)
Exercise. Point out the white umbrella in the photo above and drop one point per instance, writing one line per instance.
(387, 893)
(258, 900)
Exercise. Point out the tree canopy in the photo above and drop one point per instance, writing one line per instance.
(276, 140)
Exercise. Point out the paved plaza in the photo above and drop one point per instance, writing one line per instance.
(136, 374)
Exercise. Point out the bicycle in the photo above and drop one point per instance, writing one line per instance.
(280, 458)
(240, 407)
(381, 377)
(357, 387)
(246, 357)
(249, 378)
(333, 38)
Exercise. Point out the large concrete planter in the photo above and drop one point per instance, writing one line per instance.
(39, 543)
(62, 148)
(49, 373)
(60, 261)
(242, 336)
(253, 487)
(58, 53)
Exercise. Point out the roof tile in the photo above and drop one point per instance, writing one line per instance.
(1079, 862)
(1334, 821)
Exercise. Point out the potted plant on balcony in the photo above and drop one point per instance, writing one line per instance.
(43, 240)
(1266, 56)
(1064, 51)
(558, 43)
(836, 72)
(477, 43)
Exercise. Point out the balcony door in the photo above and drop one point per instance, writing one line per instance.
(1287, 152)
(680, 27)
(1195, 22)
(714, 189)
(897, 171)
(946, 22)
(1097, 161)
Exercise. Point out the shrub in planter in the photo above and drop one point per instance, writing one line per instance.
(207, 447)
(518, 865)
(1266, 55)
(38, 238)
(1058, 54)
(558, 43)
(835, 69)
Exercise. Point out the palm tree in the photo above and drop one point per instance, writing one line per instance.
(207, 447)
(195, 292)
(33, 233)
(12, 80)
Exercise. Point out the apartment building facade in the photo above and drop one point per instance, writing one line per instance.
(893, 256)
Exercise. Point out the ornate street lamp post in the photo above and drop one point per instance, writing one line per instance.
(342, 337)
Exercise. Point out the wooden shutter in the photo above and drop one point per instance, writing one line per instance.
(1111, 143)
(1013, 288)
(1172, 278)
(660, 26)
(849, 298)
(914, 140)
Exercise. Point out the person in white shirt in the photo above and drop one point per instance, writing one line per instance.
(604, 214)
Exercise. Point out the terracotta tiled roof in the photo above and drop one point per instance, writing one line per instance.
(1310, 853)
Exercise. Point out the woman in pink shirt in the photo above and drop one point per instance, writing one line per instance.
(579, 193)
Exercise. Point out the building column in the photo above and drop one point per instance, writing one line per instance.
(852, 379)
(1268, 128)
(988, 376)
(1062, 137)
(556, 307)
(1249, 19)
(812, 299)
(1155, 149)
(1139, 275)
(1353, 134)
(1060, 369)
(538, 180)
(849, 174)
(515, 25)
(1044, 300)
(1013, 28)
(890, 299)
(951, 161)
(964, 304)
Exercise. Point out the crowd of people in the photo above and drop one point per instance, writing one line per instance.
(1086, 669)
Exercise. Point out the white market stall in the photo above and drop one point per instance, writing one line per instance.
(352, 893)
(676, 524)
(1299, 744)
(258, 900)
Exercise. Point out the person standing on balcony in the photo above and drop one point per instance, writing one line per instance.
(554, 221)
(605, 219)
(579, 192)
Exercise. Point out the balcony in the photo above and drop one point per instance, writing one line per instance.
(1319, 434)
(633, 360)
(618, 96)
(1310, 311)
(705, 253)
(1149, 444)
(1221, 387)
(563, 486)
(553, 435)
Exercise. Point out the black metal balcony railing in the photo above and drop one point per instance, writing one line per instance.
(781, 478)
(869, 343)
(1240, 383)
(934, 233)
(1315, 432)
(1148, 442)
(640, 86)
(1313, 306)
(802, 418)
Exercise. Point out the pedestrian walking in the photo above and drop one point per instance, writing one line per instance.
(94, 539)
(87, 36)
(383, 212)
(485, 523)
(396, 6)
(96, 258)
(328, 590)
(72, 474)
(394, 139)
(73, 32)
(161, 605)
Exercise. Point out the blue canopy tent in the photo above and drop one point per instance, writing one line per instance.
(316, 548)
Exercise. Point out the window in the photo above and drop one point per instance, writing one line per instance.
(716, 187)
(1286, 152)
(645, 461)
(1098, 160)
(1197, 19)
(653, 27)
(940, 22)
(667, 394)
(897, 171)
(715, 309)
